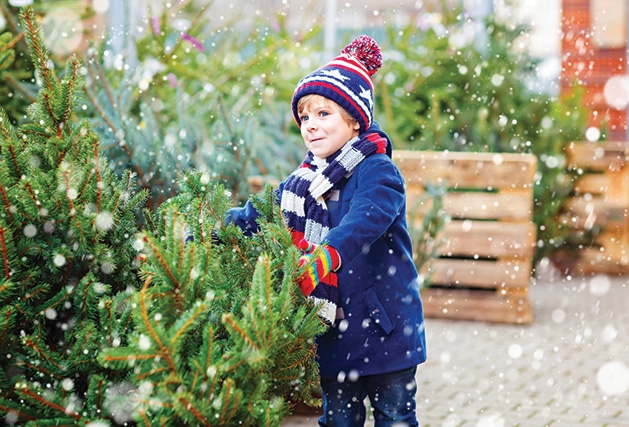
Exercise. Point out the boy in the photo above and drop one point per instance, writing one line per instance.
(346, 208)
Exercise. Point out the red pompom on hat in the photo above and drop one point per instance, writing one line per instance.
(367, 51)
(346, 80)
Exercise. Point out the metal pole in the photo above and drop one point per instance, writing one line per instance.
(330, 28)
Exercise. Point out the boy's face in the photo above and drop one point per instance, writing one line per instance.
(324, 129)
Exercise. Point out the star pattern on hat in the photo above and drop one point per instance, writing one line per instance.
(336, 74)
(366, 94)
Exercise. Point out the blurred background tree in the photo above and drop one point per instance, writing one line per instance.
(191, 90)
(441, 92)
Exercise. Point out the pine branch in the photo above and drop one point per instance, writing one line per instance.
(99, 181)
(146, 419)
(198, 416)
(8, 319)
(228, 319)
(50, 112)
(16, 409)
(121, 358)
(163, 263)
(85, 184)
(37, 369)
(187, 325)
(39, 349)
(58, 301)
(85, 345)
(6, 129)
(227, 334)
(66, 177)
(153, 372)
(227, 394)
(149, 217)
(34, 294)
(5, 254)
(149, 327)
(72, 76)
(41, 56)
(36, 201)
(7, 205)
(30, 395)
(7, 43)
(32, 131)
(12, 157)
(83, 294)
(97, 389)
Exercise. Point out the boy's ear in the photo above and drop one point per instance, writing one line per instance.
(356, 125)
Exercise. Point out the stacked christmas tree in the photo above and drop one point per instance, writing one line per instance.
(186, 322)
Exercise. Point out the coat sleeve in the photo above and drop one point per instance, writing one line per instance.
(378, 199)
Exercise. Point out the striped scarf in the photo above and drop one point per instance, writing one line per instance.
(303, 203)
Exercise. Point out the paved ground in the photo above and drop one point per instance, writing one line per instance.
(570, 367)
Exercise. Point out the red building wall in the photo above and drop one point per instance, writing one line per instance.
(583, 62)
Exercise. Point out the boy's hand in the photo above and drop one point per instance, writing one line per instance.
(321, 260)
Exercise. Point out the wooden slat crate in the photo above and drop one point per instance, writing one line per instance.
(600, 204)
(484, 265)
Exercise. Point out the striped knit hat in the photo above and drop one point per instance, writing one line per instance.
(346, 80)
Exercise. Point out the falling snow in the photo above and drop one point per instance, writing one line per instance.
(569, 366)
(144, 342)
(104, 221)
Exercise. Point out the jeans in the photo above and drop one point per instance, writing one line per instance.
(392, 397)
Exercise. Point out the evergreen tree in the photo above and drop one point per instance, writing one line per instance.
(205, 99)
(205, 327)
(221, 334)
(67, 259)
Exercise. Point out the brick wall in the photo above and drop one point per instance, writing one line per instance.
(591, 66)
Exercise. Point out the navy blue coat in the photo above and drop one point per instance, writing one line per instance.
(383, 326)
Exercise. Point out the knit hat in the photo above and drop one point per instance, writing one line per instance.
(346, 80)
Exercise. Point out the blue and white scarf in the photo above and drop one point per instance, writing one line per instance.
(303, 203)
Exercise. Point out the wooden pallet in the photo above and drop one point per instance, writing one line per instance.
(599, 204)
(484, 265)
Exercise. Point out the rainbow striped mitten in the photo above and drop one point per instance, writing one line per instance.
(320, 259)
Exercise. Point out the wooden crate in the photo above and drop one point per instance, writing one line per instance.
(484, 265)
(599, 204)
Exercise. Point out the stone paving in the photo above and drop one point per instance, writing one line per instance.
(570, 367)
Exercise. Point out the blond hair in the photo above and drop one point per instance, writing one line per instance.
(315, 99)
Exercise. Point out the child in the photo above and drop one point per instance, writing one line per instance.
(346, 208)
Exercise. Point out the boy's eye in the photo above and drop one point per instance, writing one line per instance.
(324, 113)
(304, 118)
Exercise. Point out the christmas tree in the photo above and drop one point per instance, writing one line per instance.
(221, 334)
(67, 259)
(102, 324)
